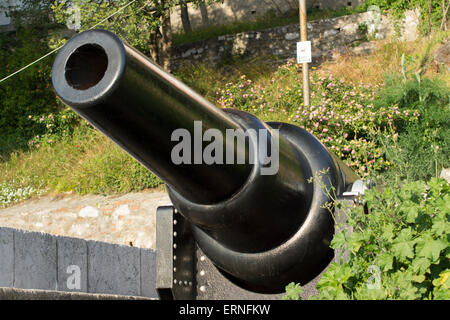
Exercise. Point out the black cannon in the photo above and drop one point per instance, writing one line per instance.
(256, 217)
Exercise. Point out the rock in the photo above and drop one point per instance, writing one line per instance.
(442, 56)
(330, 33)
(445, 174)
(188, 53)
(410, 25)
(292, 36)
(123, 210)
(88, 212)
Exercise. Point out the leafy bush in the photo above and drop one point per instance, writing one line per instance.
(423, 147)
(341, 115)
(400, 250)
(28, 92)
(398, 7)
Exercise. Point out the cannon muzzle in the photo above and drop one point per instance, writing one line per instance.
(254, 213)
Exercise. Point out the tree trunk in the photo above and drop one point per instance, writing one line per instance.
(160, 45)
(165, 43)
(430, 20)
(204, 12)
(185, 17)
(444, 15)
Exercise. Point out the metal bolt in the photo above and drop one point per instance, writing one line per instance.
(174, 222)
(202, 258)
(202, 273)
(202, 288)
(175, 281)
(175, 211)
(174, 245)
(174, 269)
(185, 283)
(174, 257)
(190, 283)
(175, 234)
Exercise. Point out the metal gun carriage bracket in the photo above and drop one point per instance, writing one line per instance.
(233, 231)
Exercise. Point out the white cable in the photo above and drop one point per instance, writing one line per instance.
(54, 50)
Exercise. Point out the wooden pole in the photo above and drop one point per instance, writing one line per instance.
(304, 37)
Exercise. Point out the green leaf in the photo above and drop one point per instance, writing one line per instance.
(411, 210)
(441, 294)
(385, 261)
(338, 240)
(388, 232)
(293, 291)
(443, 280)
(431, 249)
(335, 277)
(403, 250)
(420, 265)
(355, 242)
(418, 278)
(440, 227)
(403, 245)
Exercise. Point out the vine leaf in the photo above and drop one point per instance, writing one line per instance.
(430, 249)
(385, 261)
(420, 265)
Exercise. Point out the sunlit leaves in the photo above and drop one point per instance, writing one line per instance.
(400, 250)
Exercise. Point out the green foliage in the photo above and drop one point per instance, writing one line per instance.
(27, 93)
(135, 22)
(423, 147)
(85, 163)
(400, 250)
(341, 115)
(398, 7)
(293, 291)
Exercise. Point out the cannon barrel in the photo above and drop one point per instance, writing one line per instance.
(263, 227)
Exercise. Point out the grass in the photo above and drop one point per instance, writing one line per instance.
(269, 20)
(87, 163)
(386, 57)
(90, 163)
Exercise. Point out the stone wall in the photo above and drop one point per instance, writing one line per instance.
(232, 10)
(34, 260)
(325, 35)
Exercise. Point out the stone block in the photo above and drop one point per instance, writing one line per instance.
(6, 257)
(113, 269)
(72, 264)
(34, 260)
(148, 273)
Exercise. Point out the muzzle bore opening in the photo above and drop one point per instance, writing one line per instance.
(86, 66)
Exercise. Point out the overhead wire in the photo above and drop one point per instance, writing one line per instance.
(54, 50)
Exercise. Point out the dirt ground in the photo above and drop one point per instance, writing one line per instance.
(122, 219)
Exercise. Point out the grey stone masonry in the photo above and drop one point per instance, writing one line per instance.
(33, 260)
(327, 36)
